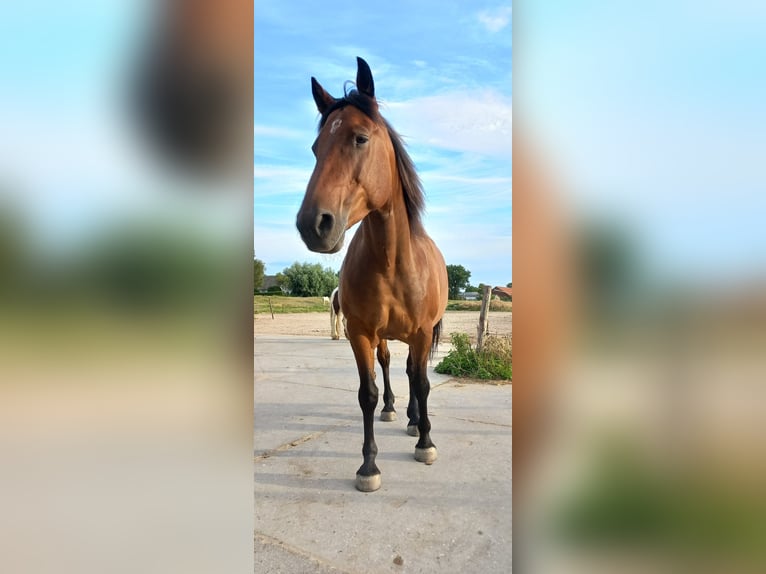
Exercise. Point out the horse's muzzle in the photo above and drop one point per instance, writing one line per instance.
(321, 231)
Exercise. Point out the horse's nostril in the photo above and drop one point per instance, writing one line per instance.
(325, 224)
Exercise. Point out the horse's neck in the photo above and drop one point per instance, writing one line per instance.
(389, 235)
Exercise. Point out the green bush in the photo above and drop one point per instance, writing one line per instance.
(495, 361)
(308, 280)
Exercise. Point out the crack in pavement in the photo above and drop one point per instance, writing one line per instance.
(508, 426)
(288, 380)
(272, 541)
(299, 441)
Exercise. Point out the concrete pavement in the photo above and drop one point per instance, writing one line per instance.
(452, 516)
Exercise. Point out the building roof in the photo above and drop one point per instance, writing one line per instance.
(268, 281)
(503, 291)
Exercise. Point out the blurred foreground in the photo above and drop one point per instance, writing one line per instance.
(640, 292)
(125, 326)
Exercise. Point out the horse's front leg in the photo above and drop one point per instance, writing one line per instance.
(368, 475)
(384, 358)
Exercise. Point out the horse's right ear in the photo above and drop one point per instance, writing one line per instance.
(321, 97)
(364, 80)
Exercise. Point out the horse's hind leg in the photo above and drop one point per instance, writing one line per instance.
(384, 358)
(412, 407)
(368, 475)
(425, 450)
(333, 323)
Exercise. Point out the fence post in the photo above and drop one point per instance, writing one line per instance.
(272, 309)
(482, 328)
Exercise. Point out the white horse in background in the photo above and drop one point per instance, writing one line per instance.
(336, 316)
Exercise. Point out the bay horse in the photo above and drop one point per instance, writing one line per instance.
(393, 280)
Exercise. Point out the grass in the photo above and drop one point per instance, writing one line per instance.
(283, 304)
(494, 305)
(288, 305)
(493, 362)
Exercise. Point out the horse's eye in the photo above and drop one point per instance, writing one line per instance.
(360, 140)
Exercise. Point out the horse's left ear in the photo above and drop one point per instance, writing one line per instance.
(322, 99)
(364, 81)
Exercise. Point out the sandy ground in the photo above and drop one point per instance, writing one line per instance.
(318, 324)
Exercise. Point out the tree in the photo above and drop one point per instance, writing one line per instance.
(457, 279)
(510, 285)
(308, 280)
(283, 282)
(258, 271)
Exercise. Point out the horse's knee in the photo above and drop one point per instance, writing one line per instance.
(368, 391)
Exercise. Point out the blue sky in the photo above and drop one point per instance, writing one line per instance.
(442, 73)
(652, 114)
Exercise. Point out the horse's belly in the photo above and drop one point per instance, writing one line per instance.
(402, 324)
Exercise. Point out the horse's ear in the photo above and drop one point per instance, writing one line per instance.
(364, 81)
(321, 97)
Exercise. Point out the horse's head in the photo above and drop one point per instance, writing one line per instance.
(355, 164)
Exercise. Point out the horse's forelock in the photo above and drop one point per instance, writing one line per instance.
(365, 104)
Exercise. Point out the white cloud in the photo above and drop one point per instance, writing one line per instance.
(495, 20)
(469, 180)
(492, 263)
(271, 180)
(460, 121)
(280, 132)
(280, 245)
(270, 171)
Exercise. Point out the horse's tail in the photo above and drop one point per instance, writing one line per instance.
(435, 340)
(335, 300)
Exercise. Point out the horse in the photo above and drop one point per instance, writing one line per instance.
(336, 317)
(393, 279)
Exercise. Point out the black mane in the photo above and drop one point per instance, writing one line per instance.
(414, 197)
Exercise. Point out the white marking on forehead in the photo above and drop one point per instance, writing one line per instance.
(335, 125)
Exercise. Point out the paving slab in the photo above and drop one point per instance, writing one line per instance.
(452, 516)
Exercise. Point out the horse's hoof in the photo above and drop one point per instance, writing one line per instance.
(368, 483)
(412, 430)
(388, 416)
(335, 338)
(426, 455)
